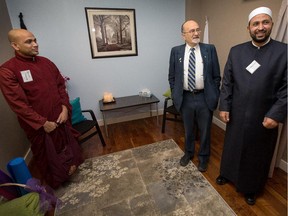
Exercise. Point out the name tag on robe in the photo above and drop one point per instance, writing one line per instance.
(26, 76)
(251, 68)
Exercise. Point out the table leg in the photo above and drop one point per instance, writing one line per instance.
(156, 105)
(105, 124)
(157, 112)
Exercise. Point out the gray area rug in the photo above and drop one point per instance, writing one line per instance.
(146, 181)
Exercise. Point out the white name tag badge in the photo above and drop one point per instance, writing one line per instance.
(26, 76)
(251, 68)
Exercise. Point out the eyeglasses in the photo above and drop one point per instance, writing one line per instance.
(192, 31)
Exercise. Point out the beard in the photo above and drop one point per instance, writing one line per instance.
(196, 40)
(262, 39)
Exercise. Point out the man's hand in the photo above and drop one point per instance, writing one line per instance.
(63, 115)
(224, 116)
(269, 123)
(49, 126)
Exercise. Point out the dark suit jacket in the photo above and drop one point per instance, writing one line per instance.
(211, 74)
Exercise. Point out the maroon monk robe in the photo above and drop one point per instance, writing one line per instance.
(35, 91)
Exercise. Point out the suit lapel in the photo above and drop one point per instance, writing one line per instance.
(204, 54)
(181, 54)
(180, 57)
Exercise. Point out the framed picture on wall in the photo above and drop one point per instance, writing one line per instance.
(112, 32)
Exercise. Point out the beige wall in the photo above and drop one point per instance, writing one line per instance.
(227, 20)
(13, 142)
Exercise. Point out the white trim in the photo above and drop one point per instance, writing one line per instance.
(283, 166)
(219, 123)
(28, 156)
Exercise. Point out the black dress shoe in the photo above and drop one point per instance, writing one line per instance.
(202, 167)
(185, 160)
(250, 198)
(220, 180)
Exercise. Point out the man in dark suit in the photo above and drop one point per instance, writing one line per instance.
(195, 101)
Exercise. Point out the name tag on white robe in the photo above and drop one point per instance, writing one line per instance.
(26, 76)
(251, 68)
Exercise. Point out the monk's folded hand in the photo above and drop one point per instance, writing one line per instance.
(49, 126)
(63, 115)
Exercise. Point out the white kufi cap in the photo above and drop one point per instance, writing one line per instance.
(260, 10)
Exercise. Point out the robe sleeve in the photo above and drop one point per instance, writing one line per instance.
(17, 100)
(226, 88)
(278, 111)
(62, 89)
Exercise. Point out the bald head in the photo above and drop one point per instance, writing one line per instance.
(15, 34)
(23, 42)
(191, 32)
(188, 23)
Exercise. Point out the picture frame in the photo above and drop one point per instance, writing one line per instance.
(112, 32)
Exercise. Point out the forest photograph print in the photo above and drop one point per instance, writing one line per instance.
(112, 32)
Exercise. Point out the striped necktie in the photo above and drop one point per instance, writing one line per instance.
(191, 70)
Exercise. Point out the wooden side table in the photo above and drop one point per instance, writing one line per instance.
(126, 102)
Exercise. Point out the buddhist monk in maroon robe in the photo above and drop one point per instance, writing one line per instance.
(35, 90)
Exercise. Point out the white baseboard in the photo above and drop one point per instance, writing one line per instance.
(219, 123)
(122, 118)
(28, 156)
(283, 166)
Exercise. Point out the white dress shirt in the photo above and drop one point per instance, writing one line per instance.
(199, 78)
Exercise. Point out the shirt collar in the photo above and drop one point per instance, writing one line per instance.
(263, 44)
(189, 47)
(22, 58)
